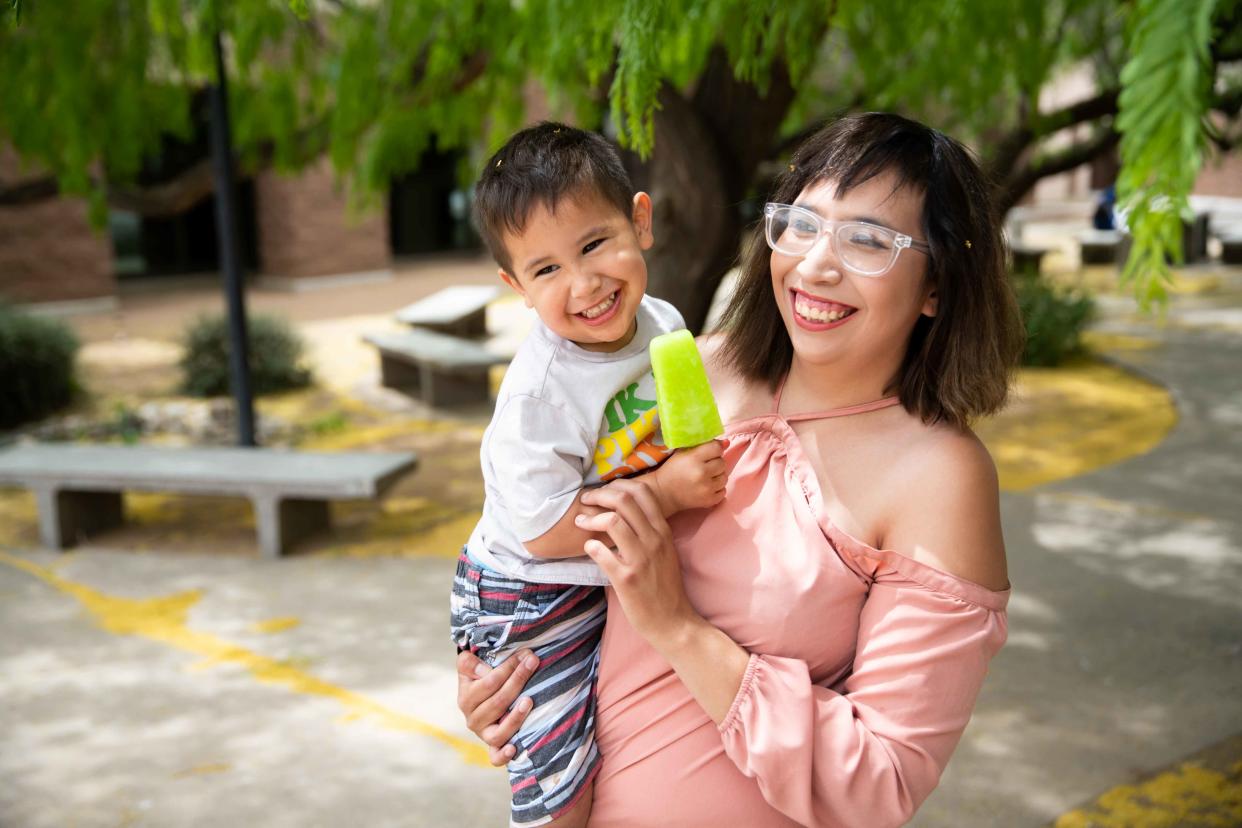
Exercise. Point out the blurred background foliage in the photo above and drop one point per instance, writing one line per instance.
(105, 98)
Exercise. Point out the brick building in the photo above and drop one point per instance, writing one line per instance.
(296, 232)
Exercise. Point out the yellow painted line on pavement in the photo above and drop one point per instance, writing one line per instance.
(275, 625)
(203, 770)
(1188, 796)
(1070, 420)
(164, 620)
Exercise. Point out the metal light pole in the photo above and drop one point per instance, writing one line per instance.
(226, 236)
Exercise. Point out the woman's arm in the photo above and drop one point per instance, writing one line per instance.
(646, 574)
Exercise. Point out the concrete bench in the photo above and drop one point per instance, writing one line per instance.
(1028, 258)
(440, 370)
(79, 487)
(1100, 246)
(460, 311)
(1231, 246)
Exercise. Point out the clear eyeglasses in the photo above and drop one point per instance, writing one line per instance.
(866, 249)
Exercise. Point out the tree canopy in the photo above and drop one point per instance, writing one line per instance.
(102, 99)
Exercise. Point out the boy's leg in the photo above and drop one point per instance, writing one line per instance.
(557, 758)
(578, 813)
(495, 616)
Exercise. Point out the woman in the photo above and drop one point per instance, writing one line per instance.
(809, 651)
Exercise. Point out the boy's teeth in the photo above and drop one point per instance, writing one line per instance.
(591, 313)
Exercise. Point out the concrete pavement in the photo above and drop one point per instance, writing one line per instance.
(1125, 648)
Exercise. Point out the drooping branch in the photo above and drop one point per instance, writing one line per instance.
(1009, 150)
(1011, 189)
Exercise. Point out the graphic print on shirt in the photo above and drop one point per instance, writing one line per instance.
(630, 438)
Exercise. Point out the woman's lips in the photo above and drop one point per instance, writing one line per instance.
(815, 314)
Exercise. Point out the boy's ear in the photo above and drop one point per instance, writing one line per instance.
(641, 216)
(511, 280)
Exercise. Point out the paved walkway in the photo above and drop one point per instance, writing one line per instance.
(1125, 648)
(182, 688)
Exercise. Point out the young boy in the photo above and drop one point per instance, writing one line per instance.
(577, 408)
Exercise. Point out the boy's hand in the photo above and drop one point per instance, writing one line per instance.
(692, 478)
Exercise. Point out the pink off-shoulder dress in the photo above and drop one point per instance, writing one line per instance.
(865, 665)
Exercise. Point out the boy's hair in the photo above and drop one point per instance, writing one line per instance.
(541, 165)
(958, 363)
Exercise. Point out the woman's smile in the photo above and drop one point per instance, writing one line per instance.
(816, 314)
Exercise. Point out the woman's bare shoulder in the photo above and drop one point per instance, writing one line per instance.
(735, 394)
(948, 511)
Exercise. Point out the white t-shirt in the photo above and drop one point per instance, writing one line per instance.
(565, 418)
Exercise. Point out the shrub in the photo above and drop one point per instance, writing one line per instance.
(1054, 318)
(275, 348)
(36, 366)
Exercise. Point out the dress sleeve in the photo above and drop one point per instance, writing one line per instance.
(868, 752)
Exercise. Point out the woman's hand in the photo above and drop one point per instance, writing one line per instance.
(646, 573)
(643, 568)
(484, 694)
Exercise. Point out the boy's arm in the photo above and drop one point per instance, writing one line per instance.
(690, 479)
(564, 539)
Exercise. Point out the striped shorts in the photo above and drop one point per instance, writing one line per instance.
(494, 616)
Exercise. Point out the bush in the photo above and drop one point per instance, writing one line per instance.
(36, 366)
(1054, 319)
(275, 356)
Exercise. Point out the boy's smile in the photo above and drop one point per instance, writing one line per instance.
(581, 268)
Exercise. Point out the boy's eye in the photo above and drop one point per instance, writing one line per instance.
(545, 270)
(592, 245)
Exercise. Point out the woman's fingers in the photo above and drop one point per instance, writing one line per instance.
(615, 527)
(636, 505)
(497, 736)
(485, 701)
(500, 758)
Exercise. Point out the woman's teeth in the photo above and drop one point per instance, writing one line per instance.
(816, 314)
(601, 308)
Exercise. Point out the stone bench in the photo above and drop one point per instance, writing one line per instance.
(79, 488)
(459, 311)
(1028, 258)
(1231, 247)
(440, 370)
(1100, 246)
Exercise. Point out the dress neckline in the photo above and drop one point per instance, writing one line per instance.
(867, 561)
(861, 408)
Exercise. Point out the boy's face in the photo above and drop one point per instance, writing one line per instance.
(581, 268)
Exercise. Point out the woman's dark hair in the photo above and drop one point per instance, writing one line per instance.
(541, 165)
(958, 363)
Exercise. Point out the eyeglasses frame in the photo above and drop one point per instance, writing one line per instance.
(900, 242)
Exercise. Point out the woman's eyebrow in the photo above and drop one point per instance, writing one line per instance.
(856, 217)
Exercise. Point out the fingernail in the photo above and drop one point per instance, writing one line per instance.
(480, 670)
(525, 704)
(530, 662)
(579, 518)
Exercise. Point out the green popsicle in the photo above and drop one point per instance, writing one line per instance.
(688, 413)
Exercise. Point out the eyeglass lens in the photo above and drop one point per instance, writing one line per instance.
(862, 247)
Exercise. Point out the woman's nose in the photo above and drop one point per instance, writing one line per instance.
(821, 262)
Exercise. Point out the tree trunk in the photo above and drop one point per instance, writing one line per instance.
(707, 151)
